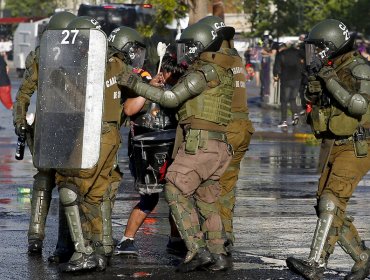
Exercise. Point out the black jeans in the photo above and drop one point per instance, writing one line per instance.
(288, 93)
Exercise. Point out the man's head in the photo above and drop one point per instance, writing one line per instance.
(329, 38)
(194, 40)
(84, 22)
(218, 25)
(60, 20)
(129, 43)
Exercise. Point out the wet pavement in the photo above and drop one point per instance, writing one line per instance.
(274, 215)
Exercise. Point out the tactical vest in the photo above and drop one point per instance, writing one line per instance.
(332, 120)
(112, 93)
(213, 104)
(231, 58)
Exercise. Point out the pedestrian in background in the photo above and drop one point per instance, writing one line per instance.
(5, 86)
(288, 70)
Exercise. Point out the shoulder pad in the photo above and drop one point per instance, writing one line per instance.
(195, 82)
(210, 72)
(361, 71)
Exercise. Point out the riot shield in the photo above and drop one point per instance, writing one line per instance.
(69, 102)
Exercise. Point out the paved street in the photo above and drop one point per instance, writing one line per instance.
(274, 215)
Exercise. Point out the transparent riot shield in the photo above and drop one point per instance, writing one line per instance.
(69, 102)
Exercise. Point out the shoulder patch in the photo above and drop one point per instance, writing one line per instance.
(361, 71)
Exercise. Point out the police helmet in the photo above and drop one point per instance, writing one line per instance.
(129, 43)
(84, 22)
(332, 37)
(194, 40)
(60, 20)
(219, 26)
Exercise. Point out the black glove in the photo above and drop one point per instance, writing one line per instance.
(314, 87)
(20, 128)
(127, 80)
(326, 73)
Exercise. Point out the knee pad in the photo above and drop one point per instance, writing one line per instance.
(328, 204)
(68, 195)
(148, 202)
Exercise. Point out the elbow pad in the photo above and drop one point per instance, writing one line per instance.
(357, 105)
(192, 85)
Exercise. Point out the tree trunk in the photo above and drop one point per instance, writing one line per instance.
(218, 9)
(198, 10)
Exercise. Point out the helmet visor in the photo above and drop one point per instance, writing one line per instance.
(135, 51)
(188, 51)
(315, 57)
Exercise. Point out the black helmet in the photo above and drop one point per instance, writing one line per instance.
(129, 43)
(84, 22)
(332, 37)
(60, 20)
(227, 32)
(196, 39)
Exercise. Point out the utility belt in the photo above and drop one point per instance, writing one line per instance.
(198, 138)
(240, 116)
(359, 140)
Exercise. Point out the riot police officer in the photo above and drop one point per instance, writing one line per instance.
(339, 83)
(91, 232)
(240, 129)
(44, 180)
(203, 98)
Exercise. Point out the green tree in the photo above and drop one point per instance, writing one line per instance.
(165, 12)
(31, 8)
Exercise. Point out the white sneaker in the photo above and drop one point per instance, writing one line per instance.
(283, 124)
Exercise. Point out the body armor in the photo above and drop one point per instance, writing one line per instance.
(328, 117)
(214, 104)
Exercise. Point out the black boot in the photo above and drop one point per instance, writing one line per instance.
(78, 262)
(35, 247)
(60, 257)
(307, 270)
(221, 262)
(202, 259)
(102, 262)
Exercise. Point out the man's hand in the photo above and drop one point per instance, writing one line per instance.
(20, 128)
(127, 80)
(158, 80)
(326, 73)
(314, 87)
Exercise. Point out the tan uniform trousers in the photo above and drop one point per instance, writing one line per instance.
(239, 133)
(93, 183)
(340, 178)
(187, 173)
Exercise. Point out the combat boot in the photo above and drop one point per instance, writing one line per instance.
(79, 261)
(309, 270)
(200, 259)
(221, 262)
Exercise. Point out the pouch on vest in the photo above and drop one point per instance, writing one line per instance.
(192, 141)
(319, 119)
(360, 143)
